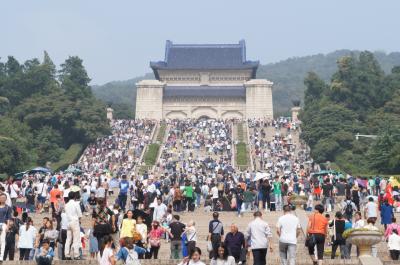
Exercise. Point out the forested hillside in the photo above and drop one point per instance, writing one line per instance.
(287, 75)
(360, 98)
(46, 114)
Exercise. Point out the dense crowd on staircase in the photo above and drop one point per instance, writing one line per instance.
(102, 208)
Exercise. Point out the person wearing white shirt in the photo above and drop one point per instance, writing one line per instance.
(394, 245)
(288, 229)
(13, 190)
(26, 241)
(371, 209)
(160, 210)
(73, 213)
(259, 233)
(41, 191)
(214, 193)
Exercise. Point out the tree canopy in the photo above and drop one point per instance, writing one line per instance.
(43, 111)
(360, 98)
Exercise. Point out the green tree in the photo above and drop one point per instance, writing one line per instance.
(74, 78)
(315, 88)
(47, 143)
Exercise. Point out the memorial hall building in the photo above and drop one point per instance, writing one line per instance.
(204, 81)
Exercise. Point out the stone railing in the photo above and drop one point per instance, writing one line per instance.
(249, 146)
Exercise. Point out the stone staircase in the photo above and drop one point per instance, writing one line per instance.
(202, 219)
(270, 133)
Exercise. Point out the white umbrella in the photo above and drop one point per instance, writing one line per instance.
(261, 175)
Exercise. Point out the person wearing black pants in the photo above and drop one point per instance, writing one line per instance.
(12, 231)
(154, 252)
(259, 256)
(24, 253)
(316, 231)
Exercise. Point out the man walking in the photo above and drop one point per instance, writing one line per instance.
(234, 242)
(216, 232)
(176, 230)
(288, 229)
(259, 233)
(160, 210)
(73, 214)
(123, 192)
(278, 193)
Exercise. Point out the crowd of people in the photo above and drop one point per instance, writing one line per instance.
(118, 216)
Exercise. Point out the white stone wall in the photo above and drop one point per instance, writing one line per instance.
(149, 99)
(197, 107)
(259, 99)
(215, 78)
(258, 103)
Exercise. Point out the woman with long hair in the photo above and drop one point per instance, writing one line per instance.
(222, 257)
(107, 256)
(193, 258)
(27, 237)
(128, 226)
(154, 239)
(141, 228)
(51, 234)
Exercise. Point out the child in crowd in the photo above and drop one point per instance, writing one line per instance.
(45, 254)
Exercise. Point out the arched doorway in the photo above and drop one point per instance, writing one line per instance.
(203, 118)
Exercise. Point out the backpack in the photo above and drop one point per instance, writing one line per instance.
(349, 209)
(132, 258)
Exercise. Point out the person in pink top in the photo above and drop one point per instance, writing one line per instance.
(391, 227)
(154, 239)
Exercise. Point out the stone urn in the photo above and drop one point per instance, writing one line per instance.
(298, 201)
(364, 240)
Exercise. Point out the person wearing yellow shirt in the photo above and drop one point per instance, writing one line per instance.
(128, 226)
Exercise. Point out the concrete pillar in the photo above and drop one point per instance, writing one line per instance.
(295, 114)
(110, 114)
(149, 99)
(259, 99)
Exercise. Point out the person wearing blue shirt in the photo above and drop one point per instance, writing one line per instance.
(386, 213)
(123, 252)
(45, 254)
(123, 192)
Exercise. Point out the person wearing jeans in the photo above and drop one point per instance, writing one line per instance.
(288, 229)
(73, 212)
(123, 192)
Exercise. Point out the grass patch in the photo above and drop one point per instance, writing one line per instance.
(143, 169)
(241, 154)
(151, 154)
(240, 132)
(161, 133)
(70, 156)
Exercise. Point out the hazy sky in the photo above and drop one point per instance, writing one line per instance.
(117, 39)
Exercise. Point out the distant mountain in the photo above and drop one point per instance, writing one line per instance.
(287, 75)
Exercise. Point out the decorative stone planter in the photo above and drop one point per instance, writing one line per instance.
(365, 240)
(298, 202)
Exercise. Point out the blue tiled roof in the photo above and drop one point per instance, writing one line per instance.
(204, 91)
(204, 57)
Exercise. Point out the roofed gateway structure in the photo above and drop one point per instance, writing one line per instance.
(204, 80)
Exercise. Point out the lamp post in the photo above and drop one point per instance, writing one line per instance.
(373, 136)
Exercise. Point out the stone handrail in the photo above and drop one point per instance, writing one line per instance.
(233, 149)
(249, 145)
(139, 163)
(162, 144)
